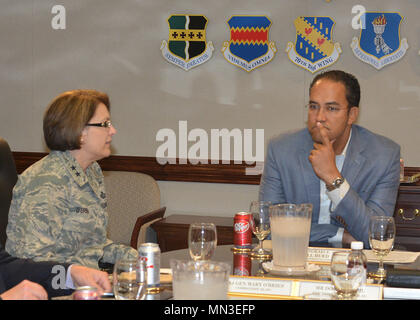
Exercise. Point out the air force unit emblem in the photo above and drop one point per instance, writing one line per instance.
(379, 43)
(314, 48)
(249, 47)
(187, 47)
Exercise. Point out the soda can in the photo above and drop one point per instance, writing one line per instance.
(242, 236)
(241, 264)
(86, 293)
(150, 253)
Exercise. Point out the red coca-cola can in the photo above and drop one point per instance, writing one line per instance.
(242, 233)
(241, 264)
(86, 293)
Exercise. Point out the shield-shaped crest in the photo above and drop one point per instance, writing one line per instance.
(249, 46)
(380, 43)
(187, 46)
(314, 48)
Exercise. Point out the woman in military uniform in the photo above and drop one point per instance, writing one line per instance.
(58, 211)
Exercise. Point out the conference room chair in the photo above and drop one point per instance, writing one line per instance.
(8, 178)
(133, 204)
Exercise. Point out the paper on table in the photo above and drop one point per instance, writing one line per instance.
(164, 278)
(394, 256)
(401, 293)
(166, 270)
(165, 275)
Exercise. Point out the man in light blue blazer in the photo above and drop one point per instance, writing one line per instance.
(347, 172)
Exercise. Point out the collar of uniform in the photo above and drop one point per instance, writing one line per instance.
(81, 177)
(74, 168)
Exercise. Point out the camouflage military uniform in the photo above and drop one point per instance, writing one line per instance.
(58, 212)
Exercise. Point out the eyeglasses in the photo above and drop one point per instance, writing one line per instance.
(105, 124)
(331, 109)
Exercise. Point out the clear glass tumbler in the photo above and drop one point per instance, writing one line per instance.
(200, 280)
(129, 279)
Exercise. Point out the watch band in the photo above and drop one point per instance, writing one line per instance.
(337, 182)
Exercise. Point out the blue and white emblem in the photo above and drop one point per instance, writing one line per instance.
(380, 42)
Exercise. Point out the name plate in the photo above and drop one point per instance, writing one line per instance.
(260, 286)
(293, 289)
(319, 255)
(323, 288)
(322, 255)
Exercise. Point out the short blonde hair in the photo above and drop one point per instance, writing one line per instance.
(67, 116)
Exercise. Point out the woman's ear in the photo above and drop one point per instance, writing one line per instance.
(83, 137)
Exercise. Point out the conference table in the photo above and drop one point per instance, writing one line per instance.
(245, 267)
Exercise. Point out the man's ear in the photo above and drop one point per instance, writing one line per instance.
(353, 114)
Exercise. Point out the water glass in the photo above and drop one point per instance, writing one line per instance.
(129, 279)
(202, 240)
(200, 280)
(381, 240)
(344, 277)
(260, 226)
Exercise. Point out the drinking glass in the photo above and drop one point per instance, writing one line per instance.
(345, 278)
(202, 240)
(381, 239)
(200, 280)
(129, 279)
(260, 226)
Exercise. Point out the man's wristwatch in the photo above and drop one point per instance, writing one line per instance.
(335, 184)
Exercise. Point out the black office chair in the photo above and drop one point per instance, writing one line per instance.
(8, 178)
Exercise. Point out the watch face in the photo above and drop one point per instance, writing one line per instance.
(337, 182)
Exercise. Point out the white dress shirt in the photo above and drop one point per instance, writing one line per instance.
(69, 279)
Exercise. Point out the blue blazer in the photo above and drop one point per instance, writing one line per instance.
(371, 167)
(14, 270)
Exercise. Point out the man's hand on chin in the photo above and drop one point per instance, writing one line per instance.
(322, 157)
